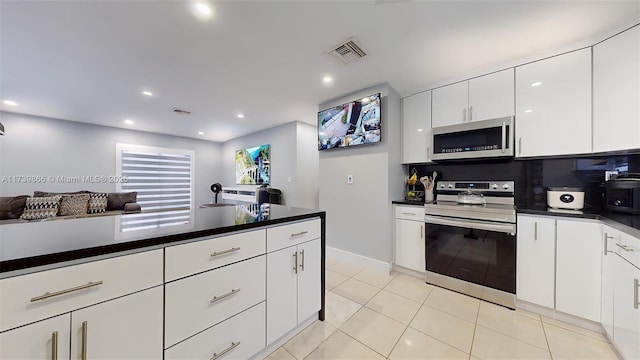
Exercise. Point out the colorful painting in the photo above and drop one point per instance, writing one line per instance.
(253, 165)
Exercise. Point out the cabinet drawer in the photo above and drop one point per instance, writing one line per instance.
(237, 338)
(187, 259)
(190, 305)
(24, 299)
(628, 247)
(280, 237)
(410, 213)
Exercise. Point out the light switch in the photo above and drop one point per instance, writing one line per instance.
(289, 179)
(349, 179)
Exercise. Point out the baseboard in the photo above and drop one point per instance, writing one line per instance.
(418, 274)
(283, 340)
(558, 315)
(359, 260)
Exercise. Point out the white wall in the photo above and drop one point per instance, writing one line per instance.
(293, 155)
(359, 216)
(38, 146)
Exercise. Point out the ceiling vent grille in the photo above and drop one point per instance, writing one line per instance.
(347, 52)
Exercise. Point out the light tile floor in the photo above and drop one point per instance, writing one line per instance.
(376, 316)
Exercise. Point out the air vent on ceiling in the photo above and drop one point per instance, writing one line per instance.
(180, 111)
(347, 52)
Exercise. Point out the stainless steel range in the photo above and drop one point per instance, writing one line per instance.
(471, 239)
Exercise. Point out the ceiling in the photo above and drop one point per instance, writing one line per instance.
(90, 60)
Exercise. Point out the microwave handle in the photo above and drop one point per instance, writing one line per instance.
(473, 224)
(504, 136)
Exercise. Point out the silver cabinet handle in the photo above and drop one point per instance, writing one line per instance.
(428, 152)
(625, 247)
(606, 243)
(54, 345)
(535, 230)
(295, 266)
(299, 234)
(504, 136)
(85, 330)
(405, 213)
(519, 146)
(470, 113)
(464, 115)
(218, 355)
(636, 285)
(218, 253)
(220, 297)
(65, 291)
(422, 231)
(302, 262)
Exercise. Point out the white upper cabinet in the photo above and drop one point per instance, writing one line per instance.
(485, 97)
(416, 128)
(450, 104)
(553, 105)
(492, 96)
(616, 92)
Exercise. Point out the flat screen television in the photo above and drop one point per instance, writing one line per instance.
(253, 165)
(350, 124)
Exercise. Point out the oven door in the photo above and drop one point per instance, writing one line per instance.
(473, 252)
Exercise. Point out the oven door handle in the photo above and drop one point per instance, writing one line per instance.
(473, 224)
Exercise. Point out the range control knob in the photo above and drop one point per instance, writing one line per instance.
(450, 186)
(442, 186)
(494, 186)
(505, 186)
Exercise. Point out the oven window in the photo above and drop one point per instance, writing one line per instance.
(482, 257)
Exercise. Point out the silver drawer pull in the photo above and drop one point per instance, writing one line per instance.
(218, 355)
(636, 286)
(216, 298)
(625, 247)
(404, 213)
(218, 253)
(66, 291)
(299, 234)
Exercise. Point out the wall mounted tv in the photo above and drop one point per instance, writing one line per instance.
(253, 165)
(354, 123)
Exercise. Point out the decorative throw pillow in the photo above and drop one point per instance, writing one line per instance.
(47, 194)
(97, 203)
(41, 207)
(12, 207)
(116, 201)
(74, 204)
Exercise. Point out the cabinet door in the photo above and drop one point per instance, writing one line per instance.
(578, 268)
(626, 309)
(281, 292)
(129, 327)
(450, 104)
(492, 96)
(47, 339)
(553, 105)
(609, 236)
(416, 128)
(535, 263)
(616, 92)
(309, 287)
(410, 252)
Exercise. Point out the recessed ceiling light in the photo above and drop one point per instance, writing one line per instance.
(327, 79)
(147, 93)
(10, 103)
(129, 122)
(202, 10)
(536, 83)
(528, 110)
(419, 130)
(240, 116)
(200, 133)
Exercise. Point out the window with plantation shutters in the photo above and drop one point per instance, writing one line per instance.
(163, 179)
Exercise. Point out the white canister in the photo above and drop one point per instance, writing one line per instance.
(565, 198)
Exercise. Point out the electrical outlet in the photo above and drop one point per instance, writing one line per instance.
(289, 179)
(349, 179)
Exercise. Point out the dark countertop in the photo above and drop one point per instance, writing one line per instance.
(28, 245)
(407, 202)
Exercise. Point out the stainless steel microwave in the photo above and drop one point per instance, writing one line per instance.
(474, 139)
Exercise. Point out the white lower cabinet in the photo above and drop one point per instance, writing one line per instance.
(578, 268)
(535, 265)
(239, 337)
(626, 319)
(46, 339)
(293, 287)
(610, 236)
(129, 327)
(410, 238)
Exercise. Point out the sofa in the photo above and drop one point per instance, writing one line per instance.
(49, 205)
